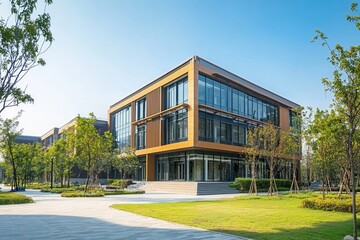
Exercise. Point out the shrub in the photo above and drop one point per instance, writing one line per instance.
(118, 183)
(57, 190)
(331, 203)
(37, 185)
(121, 192)
(13, 198)
(83, 194)
(243, 184)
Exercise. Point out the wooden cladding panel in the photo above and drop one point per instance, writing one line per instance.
(153, 133)
(284, 119)
(153, 102)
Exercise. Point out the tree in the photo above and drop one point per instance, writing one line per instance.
(90, 147)
(345, 85)
(272, 150)
(253, 151)
(8, 133)
(126, 162)
(21, 47)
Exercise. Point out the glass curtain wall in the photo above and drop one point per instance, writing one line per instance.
(220, 129)
(218, 95)
(204, 166)
(121, 127)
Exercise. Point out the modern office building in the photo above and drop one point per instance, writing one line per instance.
(190, 124)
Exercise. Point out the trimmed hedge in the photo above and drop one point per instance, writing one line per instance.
(118, 183)
(13, 198)
(57, 190)
(83, 194)
(243, 184)
(123, 192)
(331, 203)
(38, 185)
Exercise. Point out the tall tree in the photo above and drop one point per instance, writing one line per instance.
(345, 85)
(24, 37)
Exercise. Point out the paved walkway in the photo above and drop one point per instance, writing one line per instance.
(53, 217)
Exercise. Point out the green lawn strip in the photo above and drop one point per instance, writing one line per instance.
(13, 198)
(123, 192)
(254, 217)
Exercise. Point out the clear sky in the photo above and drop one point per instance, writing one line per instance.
(104, 50)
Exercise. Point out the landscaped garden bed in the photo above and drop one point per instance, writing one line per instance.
(13, 198)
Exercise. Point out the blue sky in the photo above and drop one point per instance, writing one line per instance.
(104, 50)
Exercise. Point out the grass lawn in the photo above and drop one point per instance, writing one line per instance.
(254, 217)
(13, 198)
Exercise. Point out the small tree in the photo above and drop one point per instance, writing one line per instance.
(8, 133)
(126, 162)
(253, 151)
(21, 45)
(90, 147)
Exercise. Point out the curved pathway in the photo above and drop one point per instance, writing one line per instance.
(53, 217)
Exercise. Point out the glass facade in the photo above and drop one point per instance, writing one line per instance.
(121, 127)
(176, 123)
(218, 95)
(215, 128)
(176, 127)
(211, 166)
(176, 93)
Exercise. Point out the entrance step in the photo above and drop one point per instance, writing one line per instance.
(191, 188)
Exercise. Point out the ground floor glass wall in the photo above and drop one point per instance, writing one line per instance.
(211, 166)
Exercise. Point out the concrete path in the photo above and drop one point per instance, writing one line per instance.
(53, 217)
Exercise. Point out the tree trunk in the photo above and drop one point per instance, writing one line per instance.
(253, 188)
(352, 167)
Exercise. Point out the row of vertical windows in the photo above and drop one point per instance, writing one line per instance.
(221, 96)
(294, 120)
(176, 127)
(121, 127)
(214, 128)
(176, 93)
(140, 109)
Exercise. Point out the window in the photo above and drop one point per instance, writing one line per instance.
(140, 109)
(219, 129)
(176, 93)
(221, 96)
(209, 92)
(121, 127)
(176, 128)
(141, 136)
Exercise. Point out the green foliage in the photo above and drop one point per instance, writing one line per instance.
(13, 198)
(243, 184)
(126, 162)
(57, 190)
(123, 192)
(91, 147)
(343, 204)
(83, 194)
(38, 185)
(118, 183)
(21, 45)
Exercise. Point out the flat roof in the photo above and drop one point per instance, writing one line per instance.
(242, 81)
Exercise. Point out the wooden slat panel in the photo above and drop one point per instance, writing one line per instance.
(153, 102)
(153, 133)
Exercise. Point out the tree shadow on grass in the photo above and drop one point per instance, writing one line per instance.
(71, 227)
(320, 231)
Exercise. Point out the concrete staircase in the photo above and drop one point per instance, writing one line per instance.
(191, 188)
